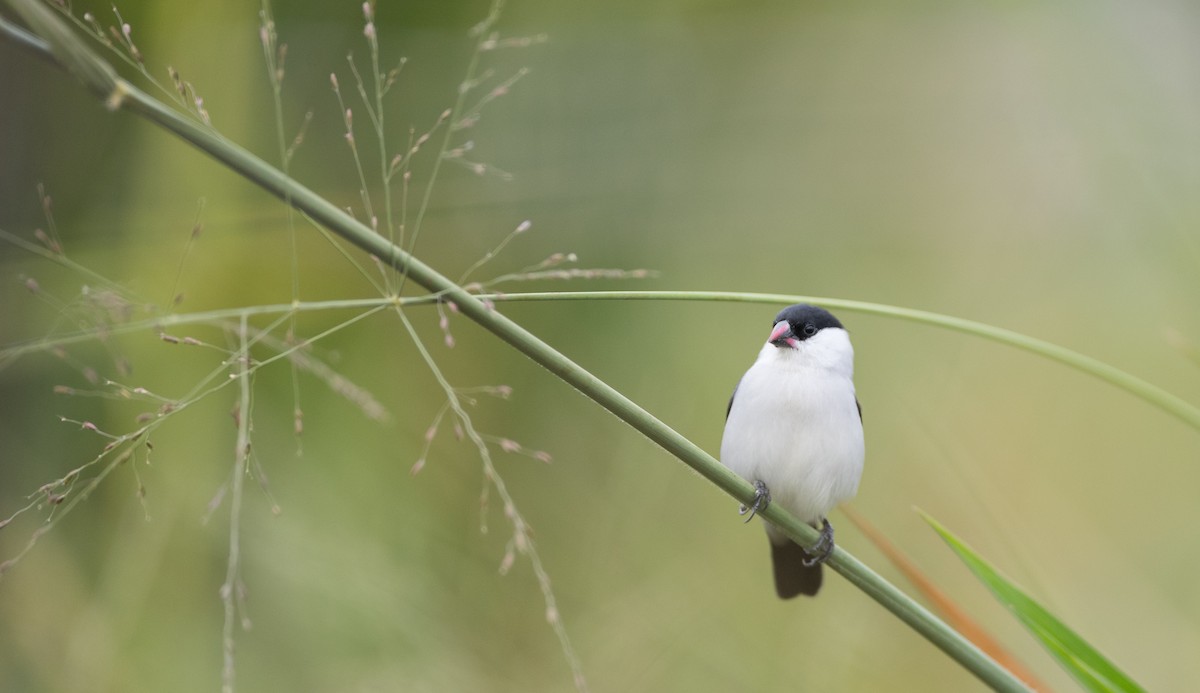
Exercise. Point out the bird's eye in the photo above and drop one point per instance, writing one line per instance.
(809, 329)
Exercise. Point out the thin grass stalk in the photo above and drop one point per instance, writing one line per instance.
(1171, 404)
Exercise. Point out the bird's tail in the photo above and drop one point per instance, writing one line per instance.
(792, 577)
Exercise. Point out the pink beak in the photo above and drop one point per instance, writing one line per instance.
(777, 334)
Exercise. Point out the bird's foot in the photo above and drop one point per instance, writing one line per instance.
(820, 550)
(762, 498)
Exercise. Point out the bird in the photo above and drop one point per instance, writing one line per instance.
(793, 429)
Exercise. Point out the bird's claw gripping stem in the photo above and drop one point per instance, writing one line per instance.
(762, 498)
(820, 550)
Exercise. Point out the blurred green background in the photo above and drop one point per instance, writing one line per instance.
(1028, 165)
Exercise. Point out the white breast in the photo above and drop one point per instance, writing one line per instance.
(794, 425)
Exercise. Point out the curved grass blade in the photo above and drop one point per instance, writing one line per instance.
(951, 611)
(1090, 668)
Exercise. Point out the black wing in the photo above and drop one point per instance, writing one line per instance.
(856, 403)
(735, 389)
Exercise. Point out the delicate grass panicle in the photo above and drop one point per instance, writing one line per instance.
(395, 207)
(252, 347)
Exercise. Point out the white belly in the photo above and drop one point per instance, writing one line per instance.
(797, 429)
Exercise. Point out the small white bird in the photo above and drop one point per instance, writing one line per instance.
(794, 430)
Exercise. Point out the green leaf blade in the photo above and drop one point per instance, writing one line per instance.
(1091, 669)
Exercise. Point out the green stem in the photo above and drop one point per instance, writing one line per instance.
(1172, 404)
(102, 80)
(1176, 406)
